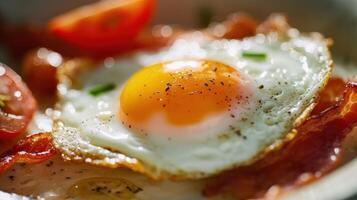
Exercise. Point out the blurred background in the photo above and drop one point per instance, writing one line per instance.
(334, 18)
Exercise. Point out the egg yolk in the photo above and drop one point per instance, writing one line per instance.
(184, 91)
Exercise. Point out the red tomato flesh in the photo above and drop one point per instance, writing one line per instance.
(104, 26)
(17, 105)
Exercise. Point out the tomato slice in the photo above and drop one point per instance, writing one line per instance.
(17, 105)
(104, 26)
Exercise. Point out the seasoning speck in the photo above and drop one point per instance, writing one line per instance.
(12, 178)
(49, 164)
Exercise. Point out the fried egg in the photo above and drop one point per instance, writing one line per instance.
(193, 109)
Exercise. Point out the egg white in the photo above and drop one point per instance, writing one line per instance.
(285, 85)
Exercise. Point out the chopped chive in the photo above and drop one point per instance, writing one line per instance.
(259, 56)
(100, 89)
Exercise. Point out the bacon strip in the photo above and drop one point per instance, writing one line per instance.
(330, 95)
(32, 149)
(313, 153)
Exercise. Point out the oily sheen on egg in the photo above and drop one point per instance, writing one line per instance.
(180, 98)
(150, 118)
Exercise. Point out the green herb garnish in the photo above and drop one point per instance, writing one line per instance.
(100, 89)
(3, 98)
(258, 56)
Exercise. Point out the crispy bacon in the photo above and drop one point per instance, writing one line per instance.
(330, 95)
(32, 149)
(313, 153)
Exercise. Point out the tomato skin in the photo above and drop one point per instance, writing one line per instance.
(105, 26)
(19, 106)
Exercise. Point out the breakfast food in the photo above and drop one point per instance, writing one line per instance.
(16, 102)
(193, 109)
(102, 24)
(56, 179)
(238, 110)
(314, 152)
